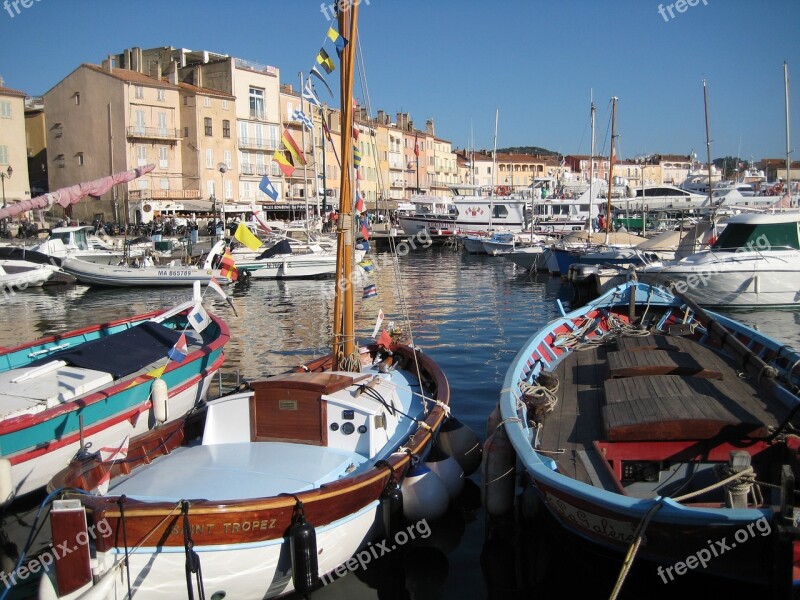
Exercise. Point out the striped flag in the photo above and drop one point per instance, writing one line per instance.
(284, 162)
(214, 285)
(315, 72)
(370, 291)
(308, 93)
(293, 148)
(360, 203)
(356, 157)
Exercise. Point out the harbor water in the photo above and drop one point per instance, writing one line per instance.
(471, 314)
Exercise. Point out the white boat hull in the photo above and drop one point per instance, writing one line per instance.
(123, 276)
(734, 278)
(292, 266)
(533, 257)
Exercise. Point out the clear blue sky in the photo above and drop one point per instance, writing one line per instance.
(457, 61)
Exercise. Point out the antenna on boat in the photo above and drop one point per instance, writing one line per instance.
(494, 168)
(591, 163)
(611, 167)
(708, 153)
(788, 148)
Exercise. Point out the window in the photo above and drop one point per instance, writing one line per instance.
(144, 184)
(226, 128)
(206, 101)
(140, 122)
(228, 190)
(79, 159)
(259, 131)
(162, 123)
(210, 188)
(224, 105)
(3, 155)
(138, 92)
(5, 110)
(207, 121)
(226, 158)
(209, 158)
(163, 157)
(256, 103)
(77, 98)
(243, 132)
(186, 100)
(161, 95)
(247, 190)
(186, 132)
(141, 155)
(164, 183)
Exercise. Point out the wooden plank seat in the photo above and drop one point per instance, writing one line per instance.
(633, 363)
(668, 407)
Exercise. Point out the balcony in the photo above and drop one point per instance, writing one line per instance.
(154, 133)
(260, 170)
(163, 194)
(257, 143)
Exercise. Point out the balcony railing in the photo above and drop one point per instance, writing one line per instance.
(163, 194)
(157, 133)
(257, 143)
(254, 170)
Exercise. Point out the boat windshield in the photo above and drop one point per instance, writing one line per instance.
(761, 236)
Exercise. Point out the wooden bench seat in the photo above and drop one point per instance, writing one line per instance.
(669, 407)
(645, 361)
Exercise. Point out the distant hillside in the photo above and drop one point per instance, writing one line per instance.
(528, 150)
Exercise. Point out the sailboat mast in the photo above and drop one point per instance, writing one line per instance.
(305, 168)
(708, 148)
(344, 326)
(494, 167)
(611, 165)
(788, 148)
(591, 168)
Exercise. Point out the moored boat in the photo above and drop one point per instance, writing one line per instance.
(652, 428)
(95, 386)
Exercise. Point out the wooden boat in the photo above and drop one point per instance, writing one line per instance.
(648, 426)
(289, 479)
(93, 387)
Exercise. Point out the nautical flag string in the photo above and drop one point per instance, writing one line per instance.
(315, 72)
(338, 40)
(378, 323)
(325, 61)
(227, 267)
(360, 202)
(180, 350)
(284, 162)
(300, 116)
(293, 148)
(356, 157)
(198, 318)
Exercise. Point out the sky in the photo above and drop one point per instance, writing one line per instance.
(536, 62)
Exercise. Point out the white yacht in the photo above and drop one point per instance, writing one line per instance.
(74, 242)
(755, 261)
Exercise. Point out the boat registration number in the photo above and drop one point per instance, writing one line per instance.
(170, 273)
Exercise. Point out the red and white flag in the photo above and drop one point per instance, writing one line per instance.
(214, 285)
(110, 455)
(378, 323)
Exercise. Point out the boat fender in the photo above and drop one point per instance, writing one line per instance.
(303, 549)
(460, 442)
(498, 470)
(160, 397)
(424, 494)
(493, 420)
(448, 470)
(6, 483)
(391, 504)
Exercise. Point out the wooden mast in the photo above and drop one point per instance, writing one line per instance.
(343, 324)
(611, 166)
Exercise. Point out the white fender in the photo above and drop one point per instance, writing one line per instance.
(424, 494)
(460, 442)
(160, 396)
(6, 483)
(448, 470)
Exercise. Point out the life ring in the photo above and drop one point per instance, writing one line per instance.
(502, 191)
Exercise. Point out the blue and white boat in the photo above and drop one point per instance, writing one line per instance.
(654, 429)
(90, 388)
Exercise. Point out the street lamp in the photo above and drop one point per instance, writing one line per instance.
(222, 168)
(3, 176)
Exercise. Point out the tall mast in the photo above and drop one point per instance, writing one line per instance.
(788, 147)
(494, 167)
(591, 167)
(611, 166)
(305, 168)
(343, 326)
(708, 149)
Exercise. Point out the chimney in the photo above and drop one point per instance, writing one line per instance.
(197, 76)
(155, 69)
(402, 121)
(410, 126)
(429, 127)
(381, 117)
(108, 64)
(126, 57)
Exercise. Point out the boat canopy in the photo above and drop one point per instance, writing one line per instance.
(758, 236)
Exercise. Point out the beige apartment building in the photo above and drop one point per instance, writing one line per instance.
(14, 183)
(36, 138)
(104, 120)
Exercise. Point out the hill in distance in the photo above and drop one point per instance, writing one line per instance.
(528, 150)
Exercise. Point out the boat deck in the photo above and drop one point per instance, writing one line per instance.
(654, 388)
(238, 470)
